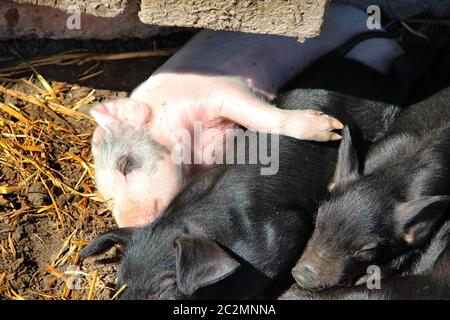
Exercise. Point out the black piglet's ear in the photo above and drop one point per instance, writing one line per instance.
(347, 167)
(416, 219)
(201, 262)
(106, 241)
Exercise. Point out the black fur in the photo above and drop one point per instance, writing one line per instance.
(251, 227)
(428, 278)
(393, 205)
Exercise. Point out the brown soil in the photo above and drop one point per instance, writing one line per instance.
(39, 241)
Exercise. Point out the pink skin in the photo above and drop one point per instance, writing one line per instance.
(213, 79)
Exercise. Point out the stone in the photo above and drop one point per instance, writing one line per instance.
(104, 20)
(42, 19)
(109, 8)
(295, 18)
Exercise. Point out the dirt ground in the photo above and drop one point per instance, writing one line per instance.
(48, 206)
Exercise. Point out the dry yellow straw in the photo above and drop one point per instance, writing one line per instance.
(83, 57)
(118, 292)
(92, 286)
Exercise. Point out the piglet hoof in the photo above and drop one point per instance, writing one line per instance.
(312, 125)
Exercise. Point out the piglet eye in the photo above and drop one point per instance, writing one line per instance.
(367, 252)
(126, 164)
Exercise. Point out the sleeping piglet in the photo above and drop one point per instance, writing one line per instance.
(221, 80)
(424, 276)
(386, 208)
(233, 232)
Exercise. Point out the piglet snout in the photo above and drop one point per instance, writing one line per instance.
(139, 215)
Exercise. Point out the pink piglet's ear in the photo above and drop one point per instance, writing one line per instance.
(127, 111)
(96, 139)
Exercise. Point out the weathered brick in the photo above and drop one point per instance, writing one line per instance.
(119, 18)
(100, 8)
(295, 18)
(19, 20)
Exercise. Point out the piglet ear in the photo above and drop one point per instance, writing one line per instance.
(106, 241)
(201, 262)
(128, 111)
(96, 139)
(416, 219)
(347, 168)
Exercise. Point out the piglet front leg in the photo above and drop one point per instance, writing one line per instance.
(253, 113)
(310, 125)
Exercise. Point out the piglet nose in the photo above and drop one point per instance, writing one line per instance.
(305, 276)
